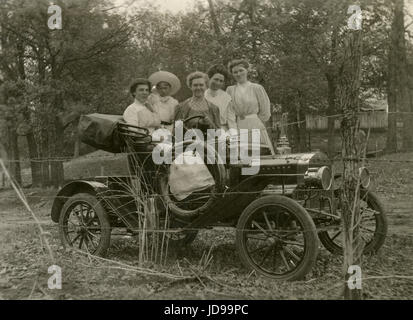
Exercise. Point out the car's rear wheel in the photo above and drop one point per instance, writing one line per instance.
(277, 238)
(84, 224)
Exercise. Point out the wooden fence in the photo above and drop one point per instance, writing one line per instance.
(373, 120)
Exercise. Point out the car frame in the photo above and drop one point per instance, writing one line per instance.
(280, 214)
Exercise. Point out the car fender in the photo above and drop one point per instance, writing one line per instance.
(71, 188)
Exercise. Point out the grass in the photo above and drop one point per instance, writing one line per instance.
(23, 262)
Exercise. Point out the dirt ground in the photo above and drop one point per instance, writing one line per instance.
(24, 264)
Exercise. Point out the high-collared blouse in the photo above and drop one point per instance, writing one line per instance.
(139, 115)
(164, 106)
(223, 101)
(193, 107)
(250, 98)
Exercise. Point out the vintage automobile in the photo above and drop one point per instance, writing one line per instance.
(280, 214)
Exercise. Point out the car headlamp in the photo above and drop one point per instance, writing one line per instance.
(321, 177)
(364, 175)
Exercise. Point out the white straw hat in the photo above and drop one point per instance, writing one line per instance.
(168, 77)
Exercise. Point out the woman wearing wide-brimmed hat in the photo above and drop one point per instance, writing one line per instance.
(167, 84)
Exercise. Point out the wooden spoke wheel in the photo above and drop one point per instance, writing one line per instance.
(373, 226)
(84, 224)
(277, 238)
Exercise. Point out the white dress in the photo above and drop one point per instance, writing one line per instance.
(223, 100)
(251, 106)
(164, 106)
(139, 115)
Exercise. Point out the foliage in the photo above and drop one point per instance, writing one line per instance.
(295, 48)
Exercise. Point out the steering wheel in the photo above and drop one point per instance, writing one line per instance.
(191, 118)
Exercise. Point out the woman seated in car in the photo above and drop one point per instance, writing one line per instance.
(140, 113)
(197, 105)
(166, 84)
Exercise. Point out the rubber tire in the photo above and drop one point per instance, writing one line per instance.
(219, 174)
(381, 228)
(311, 238)
(104, 242)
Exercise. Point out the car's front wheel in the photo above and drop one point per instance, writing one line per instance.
(277, 238)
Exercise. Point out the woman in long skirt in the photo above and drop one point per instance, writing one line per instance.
(250, 101)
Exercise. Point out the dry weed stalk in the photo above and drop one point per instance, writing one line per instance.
(152, 240)
(113, 264)
(43, 235)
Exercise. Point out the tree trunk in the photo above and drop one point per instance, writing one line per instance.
(4, 157)
(57, 169)
(405, 98)
(36, 170)
(14, 154)
(297, 136)
(44, 155)
(293, 134)
(42, 122)
(348, 93)
(391, 143)
(332, 107)
(331, 76)
(42, 136)
(57, 173)
(301, 123)
(214, 19)
(34, 164)
(398, 83)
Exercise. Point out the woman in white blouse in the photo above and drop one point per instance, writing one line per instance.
(250, 102)
(167, 84)
(140, 113)
(218, 75)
